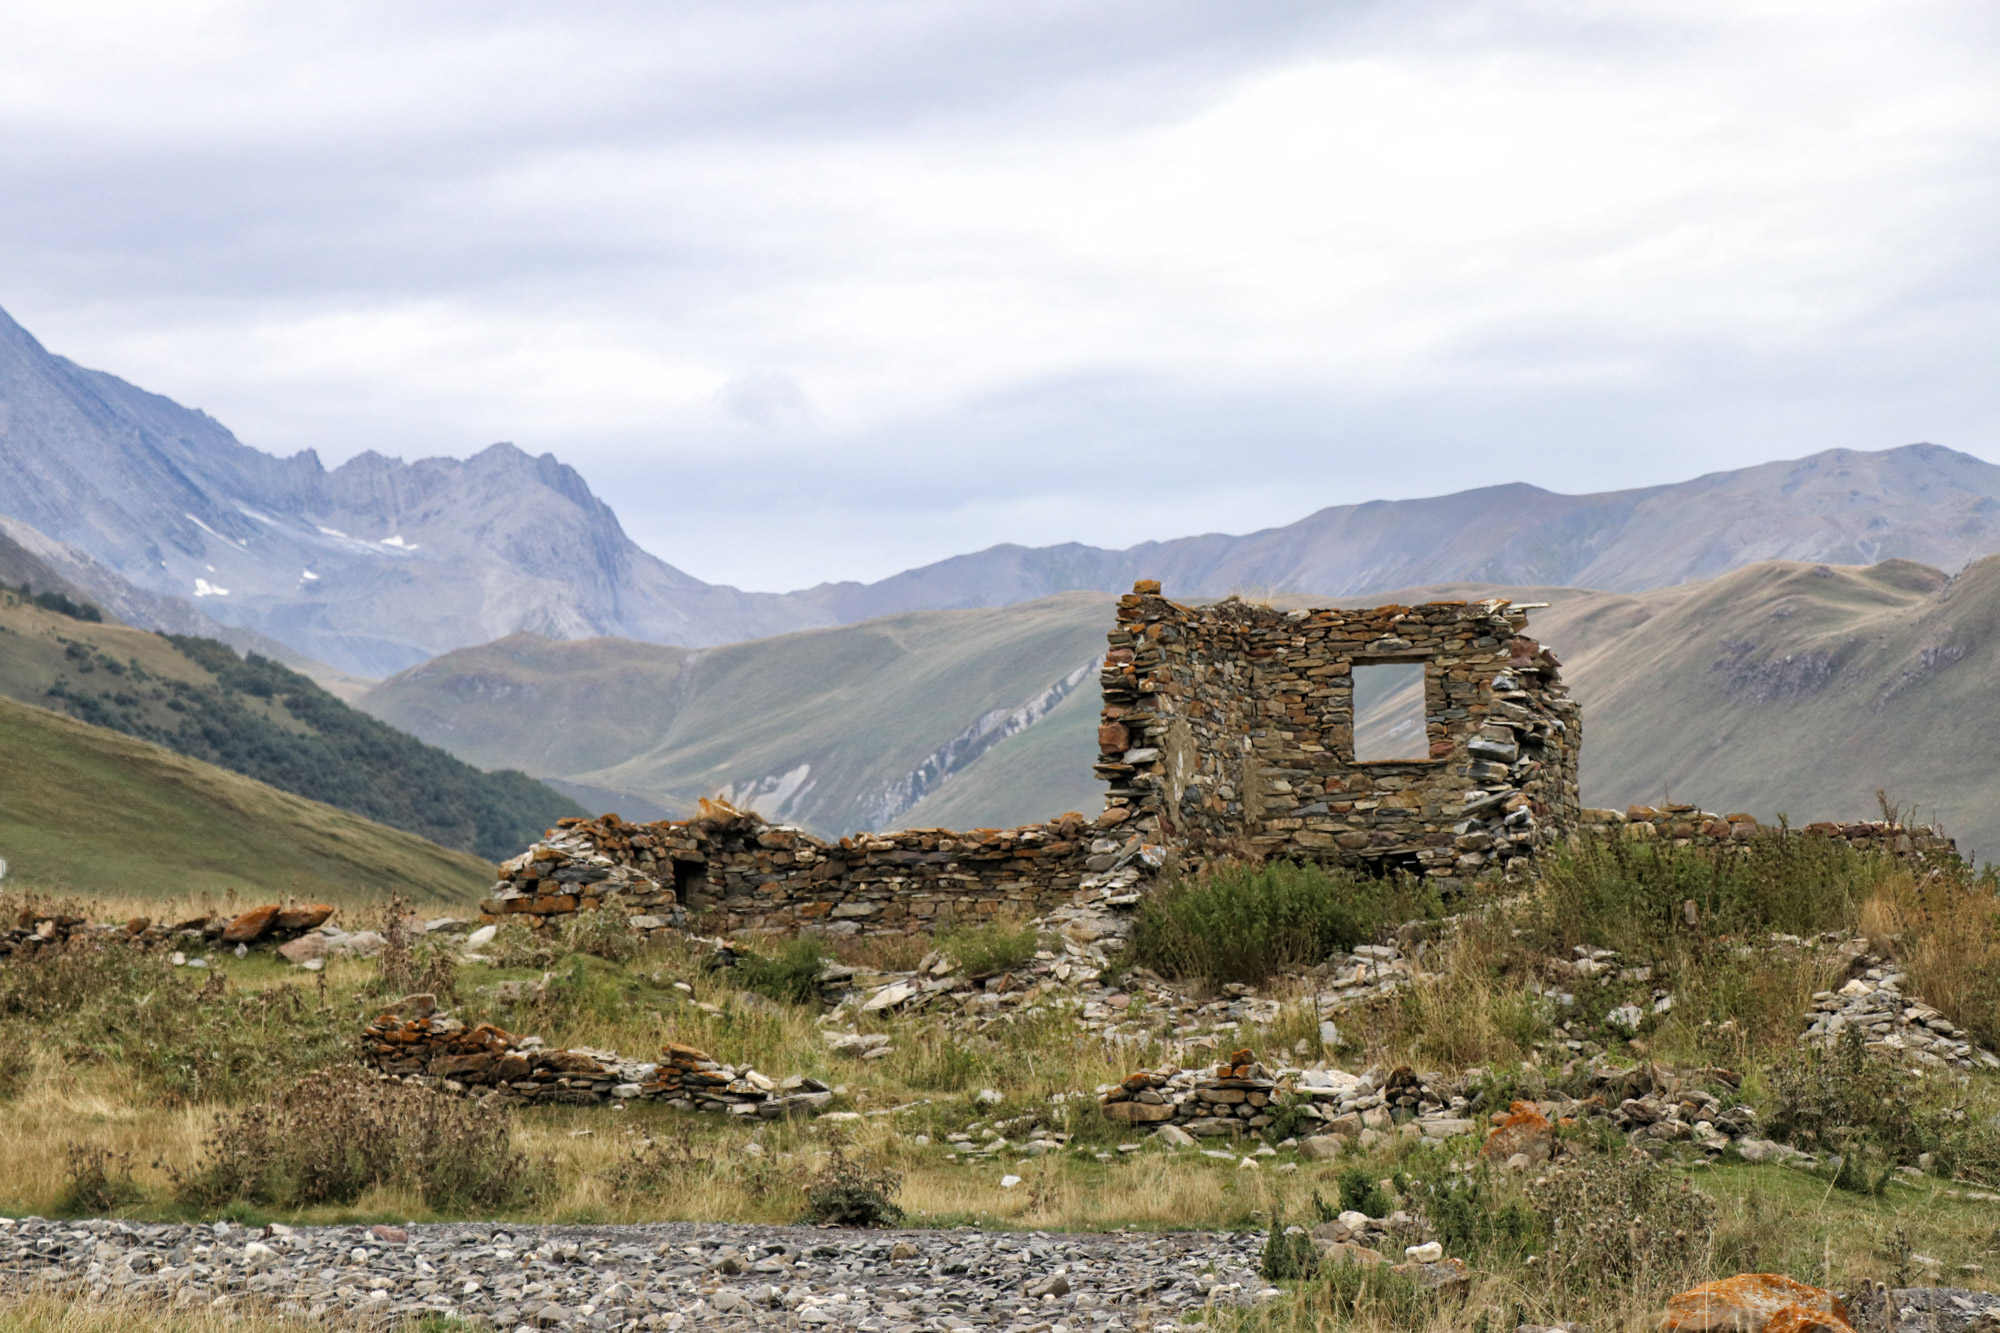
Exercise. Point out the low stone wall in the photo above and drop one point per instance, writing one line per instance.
(1690, 826)
(439, 1048)
(35, 929)
(733, 871)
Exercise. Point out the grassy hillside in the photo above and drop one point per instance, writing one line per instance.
(258, 718)
(88, 811)
(838, 729)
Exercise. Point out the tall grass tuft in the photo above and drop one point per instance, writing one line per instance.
(1247, 924)
(1633, 896)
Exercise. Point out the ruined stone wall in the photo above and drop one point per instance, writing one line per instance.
(1228, 731)
(733, 871)
(1687, 825)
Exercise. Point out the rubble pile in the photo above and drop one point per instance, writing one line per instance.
(1892, 1024)
(436, 1049)
(1241, 1095)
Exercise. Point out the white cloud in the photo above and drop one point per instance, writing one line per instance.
(940, 275)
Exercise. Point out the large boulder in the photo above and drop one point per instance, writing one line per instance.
(1756, 1303)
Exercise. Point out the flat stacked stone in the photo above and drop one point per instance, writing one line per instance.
(438, 1050)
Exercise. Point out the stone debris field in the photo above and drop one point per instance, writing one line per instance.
(663, 1276)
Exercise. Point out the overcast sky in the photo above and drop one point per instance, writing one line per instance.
(825, 290)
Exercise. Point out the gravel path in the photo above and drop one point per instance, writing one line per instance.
(661, 1276)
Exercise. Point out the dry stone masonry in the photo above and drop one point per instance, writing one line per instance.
(1690, 826)
(740, 873)
(1228, 732)
(434, 1048)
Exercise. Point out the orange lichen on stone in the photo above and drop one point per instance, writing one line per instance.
(1525, 1130)
(1756, 1303)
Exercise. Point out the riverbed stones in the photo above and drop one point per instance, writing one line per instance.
(665, 1276)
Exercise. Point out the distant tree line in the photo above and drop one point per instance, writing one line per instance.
(268, 722)
(61, 605)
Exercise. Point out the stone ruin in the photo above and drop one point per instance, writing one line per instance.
(1228, 733)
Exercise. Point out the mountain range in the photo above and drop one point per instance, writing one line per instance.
(376, 565)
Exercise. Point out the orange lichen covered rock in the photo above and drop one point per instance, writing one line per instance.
(1755, 1303)
(310, 916)
(1525, 1130)
(252, 926)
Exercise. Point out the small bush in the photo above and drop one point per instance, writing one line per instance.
(604, 932)
(180, 1034)
(791, 975)
(998, 946)
(1288, 1255)
(1464, 1208)
(97, 1181)
(340, 1131)
(1361, 1193)
(1620, 1221)
(851, 1193)
(1246, 924)
(515, 943)
(1847, 1101)
(1370, 1296)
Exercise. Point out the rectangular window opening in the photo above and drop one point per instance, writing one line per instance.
(1389, 712)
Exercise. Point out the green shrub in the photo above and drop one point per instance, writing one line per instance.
(1632, 896)
(997, 946)
(1464, 1209)
(1849, 1102)
(1361, 1193)
(336, 1133)
(1247, 924)
(790, 975)
(1288, 1254)
(1353, 1292)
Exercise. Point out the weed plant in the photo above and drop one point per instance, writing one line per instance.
(1633, 896)
(851, 1192)
(341, 1131)
(180, 1035)
(986, 950)
(790, 974)
(1247, 924)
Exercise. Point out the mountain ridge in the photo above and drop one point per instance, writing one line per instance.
(378, 564)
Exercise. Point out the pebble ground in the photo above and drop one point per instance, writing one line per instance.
(658, 1276)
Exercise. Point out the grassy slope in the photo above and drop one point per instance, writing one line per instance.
(128, 678)
(89, 811)
(858, 706)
